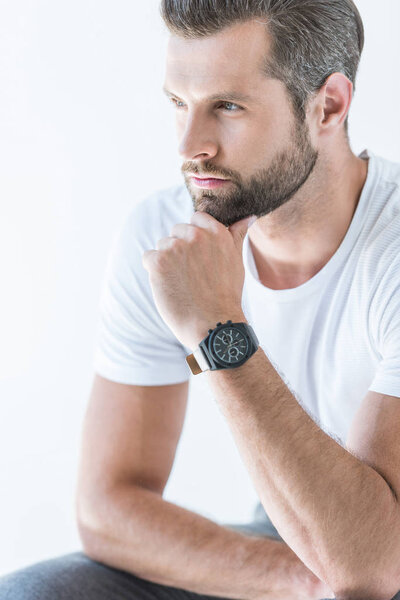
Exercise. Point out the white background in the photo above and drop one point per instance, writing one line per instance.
(84, 133)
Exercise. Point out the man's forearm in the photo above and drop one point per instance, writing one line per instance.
(336, 512)
(136, 530)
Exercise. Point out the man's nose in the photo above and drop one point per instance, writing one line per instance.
(199, 138)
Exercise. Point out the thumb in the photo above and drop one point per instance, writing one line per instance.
(239, 229)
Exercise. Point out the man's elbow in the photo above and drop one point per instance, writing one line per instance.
(362, 595)
(380, 587)
(370, 571)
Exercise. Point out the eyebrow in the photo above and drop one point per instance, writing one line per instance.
(226, 95)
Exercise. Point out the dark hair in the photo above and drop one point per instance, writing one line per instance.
(311, 39)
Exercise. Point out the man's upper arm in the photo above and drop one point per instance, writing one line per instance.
(129, 435)
(374, 436)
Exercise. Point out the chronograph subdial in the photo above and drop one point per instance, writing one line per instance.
(230, 345)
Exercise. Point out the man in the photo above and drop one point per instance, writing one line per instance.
(262, 92)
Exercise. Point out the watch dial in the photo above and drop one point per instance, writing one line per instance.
(230, 345)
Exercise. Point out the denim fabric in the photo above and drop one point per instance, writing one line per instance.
(77, 577)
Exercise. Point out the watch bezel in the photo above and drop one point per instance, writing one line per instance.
(203, 358)
(216, 332)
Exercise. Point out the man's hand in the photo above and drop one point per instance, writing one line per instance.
(197, 275)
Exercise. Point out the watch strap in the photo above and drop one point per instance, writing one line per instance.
(197, 361)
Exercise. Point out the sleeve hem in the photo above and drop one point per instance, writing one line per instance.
(389, 386)
(166, 375)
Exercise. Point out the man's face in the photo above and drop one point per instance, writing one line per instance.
(256, 144)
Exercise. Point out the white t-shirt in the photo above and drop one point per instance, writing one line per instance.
(331, 339)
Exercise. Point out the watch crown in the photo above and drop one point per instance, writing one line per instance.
(219, 324)
(210, 331)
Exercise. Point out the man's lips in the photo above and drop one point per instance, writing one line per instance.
(206, 177)
(209, 182)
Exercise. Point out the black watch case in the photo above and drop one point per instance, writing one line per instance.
(229, 345)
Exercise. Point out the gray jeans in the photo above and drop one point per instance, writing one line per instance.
(76, 577)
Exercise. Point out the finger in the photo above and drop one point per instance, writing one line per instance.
(206, 221)
(184, 231)
(147, 258)
(166, 243)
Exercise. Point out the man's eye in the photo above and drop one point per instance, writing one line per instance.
(178, 104)
(231, 104)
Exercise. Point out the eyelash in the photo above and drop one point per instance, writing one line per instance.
(174, 101)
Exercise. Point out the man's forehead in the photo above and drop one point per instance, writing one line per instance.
(209, 79)
(240, 48)
(215, 84)
(202, 67)
(226, 65)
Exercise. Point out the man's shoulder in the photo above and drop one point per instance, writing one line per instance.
(388, 171)
(377, 248)
(152, 215)
(382, 218)
(156, 212)
(150, 218)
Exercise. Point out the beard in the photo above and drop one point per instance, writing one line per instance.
(268, 189)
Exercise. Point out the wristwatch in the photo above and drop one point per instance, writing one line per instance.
(227, 346)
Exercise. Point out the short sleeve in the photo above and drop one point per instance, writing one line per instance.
(133, 343)
(386, 326)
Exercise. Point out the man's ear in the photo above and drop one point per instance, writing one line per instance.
(333, 103)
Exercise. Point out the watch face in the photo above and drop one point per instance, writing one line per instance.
(230, 345)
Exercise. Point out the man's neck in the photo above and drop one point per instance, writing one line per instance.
(296, 241)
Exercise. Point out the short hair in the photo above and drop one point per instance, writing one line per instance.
(311, 39)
